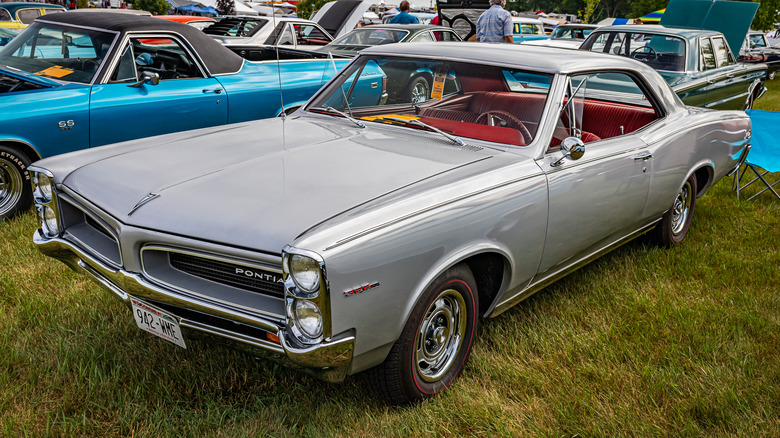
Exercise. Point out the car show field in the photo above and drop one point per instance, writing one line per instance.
(447, 238)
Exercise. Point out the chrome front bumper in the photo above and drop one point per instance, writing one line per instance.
(328, 360)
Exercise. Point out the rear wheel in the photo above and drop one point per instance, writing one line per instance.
(418, 90)
(15, 189)
(435, 343)
(676, 222)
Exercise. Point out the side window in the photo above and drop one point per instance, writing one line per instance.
(286, 38)
(443, 35)
(163, 56)
(126, 69)
(308, 34)
(722, 53)
(707, 55)
(4, 15)
(607, 42)
(596, 117)
(423, 36)
(27, 16)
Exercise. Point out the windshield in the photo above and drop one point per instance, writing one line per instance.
(58, 51)
(661, 52)
(757, 40)
(570, 33)
(371, 37)
(484, 102)
(236, 26)
(528, 29)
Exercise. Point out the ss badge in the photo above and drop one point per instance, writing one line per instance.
(66, 124)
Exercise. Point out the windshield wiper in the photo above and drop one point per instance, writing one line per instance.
(416, 122)
(330, 109)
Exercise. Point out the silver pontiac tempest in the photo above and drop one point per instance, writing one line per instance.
(424, 187)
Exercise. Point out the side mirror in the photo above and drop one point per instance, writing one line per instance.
(150, 78)
(572, 148)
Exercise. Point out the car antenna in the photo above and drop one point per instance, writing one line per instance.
(283, 114)
(341, 87)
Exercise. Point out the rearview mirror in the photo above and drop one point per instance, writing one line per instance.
(149, 77)
(572, 148)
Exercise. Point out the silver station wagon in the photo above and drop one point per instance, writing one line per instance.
(372, 229)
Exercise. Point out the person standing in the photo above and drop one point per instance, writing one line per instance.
(495, 25)
(404, 17)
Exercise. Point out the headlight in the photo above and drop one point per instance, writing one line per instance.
(305, 272)
(308, 318)
(42, 191)
(49, 222)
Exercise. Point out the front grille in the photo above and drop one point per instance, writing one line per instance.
(88, 231)
(213, 321)
(252, 279)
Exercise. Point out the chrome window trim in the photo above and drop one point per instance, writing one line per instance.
(101, 71)
(154, 34)
(210, 256)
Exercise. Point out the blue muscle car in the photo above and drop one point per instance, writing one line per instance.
(78, 80)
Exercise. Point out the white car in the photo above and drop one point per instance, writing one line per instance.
(280, 31)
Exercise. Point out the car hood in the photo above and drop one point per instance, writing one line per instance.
(260, 184)
(731, 18)
(28, 77)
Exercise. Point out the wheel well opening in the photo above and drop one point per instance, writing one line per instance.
(488, 270)
(702, 176)
(23, 148)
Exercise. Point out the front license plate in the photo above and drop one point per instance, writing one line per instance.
(157, 322)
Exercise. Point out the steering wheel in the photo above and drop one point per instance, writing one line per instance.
(645, 49)
(505, 119)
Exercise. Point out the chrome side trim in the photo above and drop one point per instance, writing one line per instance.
(508, 302)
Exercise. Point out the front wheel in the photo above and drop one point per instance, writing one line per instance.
(675, 224)
(435, 343)
(15, 189)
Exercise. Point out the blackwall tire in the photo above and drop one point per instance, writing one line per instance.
(677, 221)
(435, 343)
(15, 188)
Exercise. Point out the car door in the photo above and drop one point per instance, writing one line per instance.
(599, 198)
(123, 107)
(732, 80)
(309, 35)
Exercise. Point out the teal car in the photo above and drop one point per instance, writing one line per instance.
(78, 80)
(693, 52)
(527, 29)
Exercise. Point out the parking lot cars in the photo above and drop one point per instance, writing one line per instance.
(353, 42)
(6, 35)
(527, 29)
(17, 15)
(372, 230)
(698, 64)
(568, 36)
(274, 31)
(77, 80)
(195, 21)
(756, 49)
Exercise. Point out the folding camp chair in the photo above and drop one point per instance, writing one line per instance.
(764, 155)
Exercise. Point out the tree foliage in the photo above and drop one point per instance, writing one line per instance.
(226, 7)
(306, 7)
(156, 7)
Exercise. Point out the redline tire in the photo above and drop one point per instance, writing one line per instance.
(15, 188)
(677, 221)
(435, 343)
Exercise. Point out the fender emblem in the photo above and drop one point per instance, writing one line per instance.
(66, 124)
(361, 289)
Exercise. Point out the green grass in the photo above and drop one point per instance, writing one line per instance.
(642, 342)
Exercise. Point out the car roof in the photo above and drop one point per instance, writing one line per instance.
(579, 25)
(218, 59)
(684, 32)
(185, 18)
(545, 59)
(526, 20)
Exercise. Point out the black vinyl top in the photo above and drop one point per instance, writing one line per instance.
(217, 58)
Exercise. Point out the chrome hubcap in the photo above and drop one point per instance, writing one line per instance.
(441, 335)
(11, 184)
(419, 93)
(681, 208)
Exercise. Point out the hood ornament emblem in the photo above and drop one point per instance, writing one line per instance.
(143, 201)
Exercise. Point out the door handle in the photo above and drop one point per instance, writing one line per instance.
(216, 90)
(644, 156)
